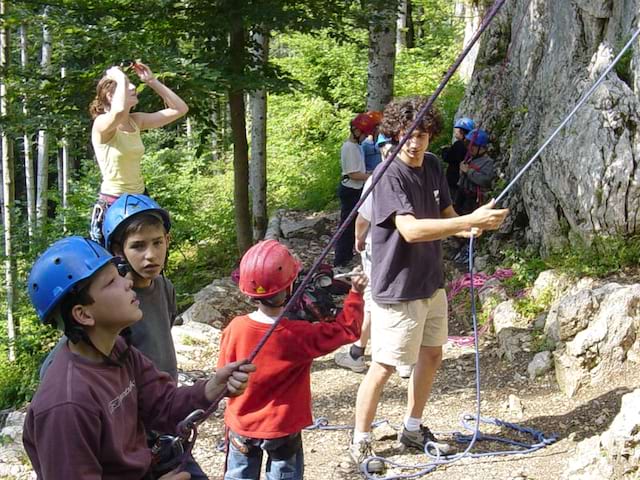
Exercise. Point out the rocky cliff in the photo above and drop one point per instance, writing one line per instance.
(534, 63)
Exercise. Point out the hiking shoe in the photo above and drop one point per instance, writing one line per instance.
(404, 371)
(362, 450)
(419, 439)
(345, 360)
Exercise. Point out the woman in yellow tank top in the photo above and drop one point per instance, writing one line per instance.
(115, 134)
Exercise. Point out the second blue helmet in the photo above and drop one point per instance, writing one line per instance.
(127, 206)
(479, 137)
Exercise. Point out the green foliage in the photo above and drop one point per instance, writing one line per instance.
(602, 257)
(526, 265)
(529, 307)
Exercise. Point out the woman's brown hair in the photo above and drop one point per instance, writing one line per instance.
(101, 102)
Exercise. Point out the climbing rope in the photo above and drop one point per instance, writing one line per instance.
(188, 429)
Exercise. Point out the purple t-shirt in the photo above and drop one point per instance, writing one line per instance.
(407, 271)
(87, 420)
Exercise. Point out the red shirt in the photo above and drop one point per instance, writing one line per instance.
(277, 401)
(87, 420)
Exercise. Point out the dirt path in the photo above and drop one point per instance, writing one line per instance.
(544, 408)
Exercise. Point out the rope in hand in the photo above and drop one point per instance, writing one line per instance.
(188, 429)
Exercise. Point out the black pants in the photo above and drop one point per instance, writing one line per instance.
(344, 247)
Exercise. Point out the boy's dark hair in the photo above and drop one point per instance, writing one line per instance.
(79, 295)
(400, 114)
(135, 224)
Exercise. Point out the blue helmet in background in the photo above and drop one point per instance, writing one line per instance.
(62, 266)
(382, 140)
(127, 206)
(465, 123)
(479, 137)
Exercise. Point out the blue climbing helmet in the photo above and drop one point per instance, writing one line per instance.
(127, 206)
(479, 137)
(382, 140)
(465, 123)
(62, 266)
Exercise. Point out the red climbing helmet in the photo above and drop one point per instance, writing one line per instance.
(266, 269)
(365, 123)
(375, 116)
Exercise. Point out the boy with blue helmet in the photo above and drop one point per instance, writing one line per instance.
(476, 173)
(90, 413)
(136, 229)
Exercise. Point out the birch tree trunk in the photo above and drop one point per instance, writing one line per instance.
(43, 140)
(30, 185)
(382, 56)
(240, 145)
(258, 165)
(401, 25)
(64, 171)
(7, 188)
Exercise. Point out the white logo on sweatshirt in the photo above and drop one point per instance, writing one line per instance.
(436, 195)
(117, 402)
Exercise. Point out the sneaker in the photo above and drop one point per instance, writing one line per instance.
(404, 371)
(345, 360)
(361, 451)
(419, 438)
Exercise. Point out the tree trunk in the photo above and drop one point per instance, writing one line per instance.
(43, 140)
(30, 186)
(7, 189)
(410, 36)
(64, 171)
(258, 166)
(240, 146)
(382, 57)
(401, 25)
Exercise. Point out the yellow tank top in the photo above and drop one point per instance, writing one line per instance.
(119, 161)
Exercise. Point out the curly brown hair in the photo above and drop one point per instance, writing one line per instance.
(400, 114)
(101, 102)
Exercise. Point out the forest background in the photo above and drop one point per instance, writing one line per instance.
(271, 87)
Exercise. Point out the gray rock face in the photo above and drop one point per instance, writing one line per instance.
(596, 330)
(533, 66)
(511, 330)
(615, 453)
(540, 364)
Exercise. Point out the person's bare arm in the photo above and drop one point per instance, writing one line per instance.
(358, 175)
(175, 106)
(362, 228)
(429, 229)
(105, 125)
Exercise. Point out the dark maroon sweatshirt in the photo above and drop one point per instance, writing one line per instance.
(87, 420)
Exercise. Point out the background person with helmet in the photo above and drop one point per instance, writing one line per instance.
(277, 405)
(90, 413)
(476, 173)
(456, 154)
(136, 229)
(354, 174)
(370, 147)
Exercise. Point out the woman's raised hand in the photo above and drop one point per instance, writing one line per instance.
(144, 72)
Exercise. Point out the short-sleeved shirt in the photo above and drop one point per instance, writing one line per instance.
(351, 161)
(407, 271)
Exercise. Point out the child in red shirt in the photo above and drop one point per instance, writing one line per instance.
(277, 403)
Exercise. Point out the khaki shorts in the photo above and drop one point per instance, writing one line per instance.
(398, 330)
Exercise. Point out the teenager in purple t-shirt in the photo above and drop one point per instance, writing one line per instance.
(411, 213)
(89, 416)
